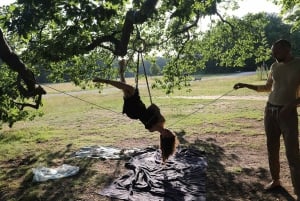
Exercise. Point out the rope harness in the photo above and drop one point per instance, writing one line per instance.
(139, 46)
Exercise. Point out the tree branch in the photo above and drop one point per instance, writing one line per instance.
(14, 63)
(187, 28)
(222, 19)
(98, 41)
(131, 18)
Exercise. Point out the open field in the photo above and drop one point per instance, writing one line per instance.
(226, 124)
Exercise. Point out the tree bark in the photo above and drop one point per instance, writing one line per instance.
(134, 17)
(14, 63)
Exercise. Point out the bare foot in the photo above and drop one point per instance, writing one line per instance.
(273, 184)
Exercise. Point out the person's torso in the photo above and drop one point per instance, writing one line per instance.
(286, 81)
(133, 107)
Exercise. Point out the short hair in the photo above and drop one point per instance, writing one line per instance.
(283, 43)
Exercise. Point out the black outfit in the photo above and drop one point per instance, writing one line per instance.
(134, 108)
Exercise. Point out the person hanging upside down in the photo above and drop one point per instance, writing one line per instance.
(150, 116)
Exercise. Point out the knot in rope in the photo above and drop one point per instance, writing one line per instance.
(139, 44)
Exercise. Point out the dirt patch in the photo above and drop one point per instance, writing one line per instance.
(237, 168)
(237, 171)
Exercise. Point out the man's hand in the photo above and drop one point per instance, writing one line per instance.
(239, 85)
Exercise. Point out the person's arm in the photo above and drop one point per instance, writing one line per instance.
(244, 85)
(259, 88)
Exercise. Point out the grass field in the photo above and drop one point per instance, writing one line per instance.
(75, 118)
(84, 117)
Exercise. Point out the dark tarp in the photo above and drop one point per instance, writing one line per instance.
(182, 178)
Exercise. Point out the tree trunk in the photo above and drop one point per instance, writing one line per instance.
(14, 63)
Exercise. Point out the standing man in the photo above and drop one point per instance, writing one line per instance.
(281, 112)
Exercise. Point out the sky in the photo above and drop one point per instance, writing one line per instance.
(6, 2)
(256, 6)
(246, 6)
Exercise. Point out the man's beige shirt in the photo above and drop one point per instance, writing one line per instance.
(285, 81)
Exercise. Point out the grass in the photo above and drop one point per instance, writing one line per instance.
(93, 117)
(83, 119)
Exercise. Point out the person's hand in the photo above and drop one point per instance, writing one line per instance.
(239, 85)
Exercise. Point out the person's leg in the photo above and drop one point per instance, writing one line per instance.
(290, 132)
(126, 88)
(273, 133)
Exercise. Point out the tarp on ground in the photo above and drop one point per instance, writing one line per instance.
(44, 173)
(181, 178)
(103, 152)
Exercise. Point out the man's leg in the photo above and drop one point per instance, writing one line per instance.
(289, 126)
(273, 133)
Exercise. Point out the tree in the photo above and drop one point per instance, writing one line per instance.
(11, 111)
(69, 37)
(278, 28)
(248, 47)
(291, 12)
(227, 46)
(155, 69)
(58, 32)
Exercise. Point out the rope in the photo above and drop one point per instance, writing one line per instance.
(139, 46)
(185, 117)
(203, 106)
(94, 104)
(145, 73)
(104, 108)
(137, 72)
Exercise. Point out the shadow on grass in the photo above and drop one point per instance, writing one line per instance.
(19, 185)
(225, 184)
(221, 183)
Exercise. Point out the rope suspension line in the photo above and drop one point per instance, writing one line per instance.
(75, 97)
(139, 46)
(104, 108)
(203, 106)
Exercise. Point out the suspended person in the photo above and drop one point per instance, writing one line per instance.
(150, 116)
(281, 112)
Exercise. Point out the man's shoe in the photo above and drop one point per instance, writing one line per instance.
(273, 184)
